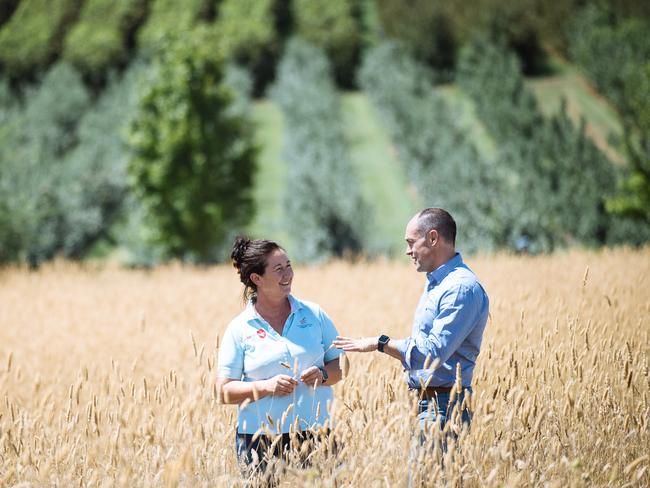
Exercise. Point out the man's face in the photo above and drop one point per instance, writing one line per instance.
(419, 247)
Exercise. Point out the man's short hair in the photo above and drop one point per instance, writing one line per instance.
(440, 220)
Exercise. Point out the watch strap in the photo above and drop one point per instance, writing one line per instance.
(383, 340)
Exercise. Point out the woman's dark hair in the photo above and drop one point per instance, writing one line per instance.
(248, 257)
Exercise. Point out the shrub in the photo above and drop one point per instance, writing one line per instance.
(32, 38)
(193, 157)
(324, 212)
(554, 178)
(441, 161)
(99, 40)
(613, 50)
(633, 199)
(422, 27)
(165, 20)
(7, 8)
(34, 184)
(333, 26)
(246, 31)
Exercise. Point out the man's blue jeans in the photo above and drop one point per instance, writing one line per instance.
(443, 409)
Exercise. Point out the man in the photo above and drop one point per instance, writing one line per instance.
(448, 324)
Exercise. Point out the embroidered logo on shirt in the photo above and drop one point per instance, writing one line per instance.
(261, 333)
(303, 323)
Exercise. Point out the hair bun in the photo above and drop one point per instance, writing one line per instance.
(239, 249)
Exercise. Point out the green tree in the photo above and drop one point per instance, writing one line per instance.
(633, 199)
(99, 40)
(554, 179)
(38, 194)
(423, 27)
(332, 25)
(194, 159)
(7, 8)
(246, 32)
(441, 160)
(32, 38)
(325, 213)
(613, 49)
(167, 19)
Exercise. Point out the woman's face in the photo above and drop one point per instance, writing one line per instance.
(277, 277)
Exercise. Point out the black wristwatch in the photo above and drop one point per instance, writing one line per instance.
(383, 340)
(324, 373)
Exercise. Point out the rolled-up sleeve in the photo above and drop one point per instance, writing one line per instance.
(231, 355)
(329, 334)
(459, 312)
(403, 346)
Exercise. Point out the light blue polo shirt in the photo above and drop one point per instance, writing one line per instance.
(252, 350)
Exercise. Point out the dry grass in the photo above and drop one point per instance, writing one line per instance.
(106, 376)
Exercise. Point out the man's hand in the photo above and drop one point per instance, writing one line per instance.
(312, 376)
(363, 344)
(280, 385)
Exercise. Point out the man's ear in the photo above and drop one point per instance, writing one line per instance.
(256, 279)
(432, 237)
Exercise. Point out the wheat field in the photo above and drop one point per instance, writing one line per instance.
(107, 376)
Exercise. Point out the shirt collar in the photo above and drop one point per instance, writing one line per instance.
(250, 312)
(437, 275)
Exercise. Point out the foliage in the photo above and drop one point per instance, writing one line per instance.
(609, 49)
(324, 211)
(553, 177)
(7, 8)
(193, 156)
(247, 34)
(32, 38)
(166, 19)
(333, 26)
(633, 199)
(614, 52)
(100, 159)
(37, 195)
(99, 40)
(433, 31)
(423, 27)
(441, 160)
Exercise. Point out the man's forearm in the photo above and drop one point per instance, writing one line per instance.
(368, 344)
(391, 349)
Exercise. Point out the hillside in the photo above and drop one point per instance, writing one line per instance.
(376, 161)
(131, 129)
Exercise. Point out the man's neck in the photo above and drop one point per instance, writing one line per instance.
(444, 258)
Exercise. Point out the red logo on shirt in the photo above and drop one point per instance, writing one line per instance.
(261, 333)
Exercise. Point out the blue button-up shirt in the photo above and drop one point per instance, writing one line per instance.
(448, 327)
(252, 350)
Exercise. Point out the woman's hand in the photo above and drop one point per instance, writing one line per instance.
(312, 376)
(280, 385)
(363, 344)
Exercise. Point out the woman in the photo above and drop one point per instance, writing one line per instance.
(276, 359)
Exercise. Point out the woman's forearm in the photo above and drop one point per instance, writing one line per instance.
(334, 372)
(236, 392)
